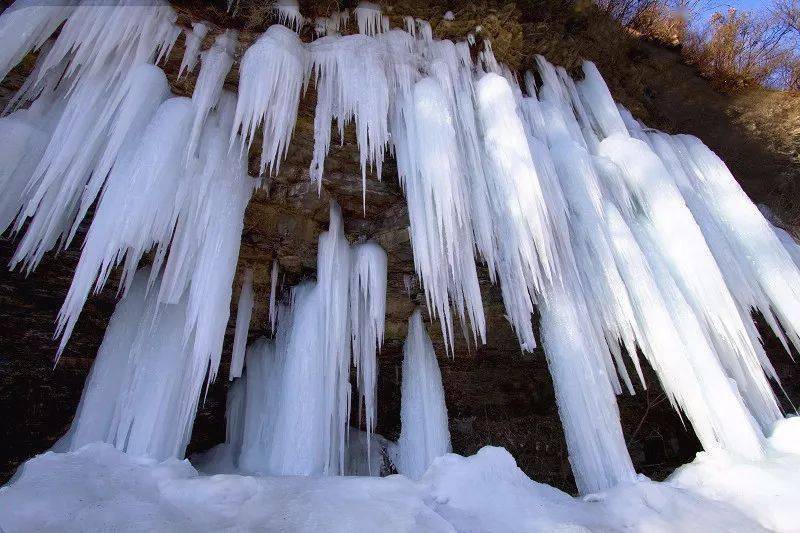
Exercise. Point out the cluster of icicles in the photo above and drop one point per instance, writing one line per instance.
(624, 238)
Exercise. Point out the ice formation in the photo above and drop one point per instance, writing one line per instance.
(367, 317)
(330, 324)
(424, 433)
(352, 85)
(270, 80)
(243, 313)
(369, 17)
(627, 240)
(194, 40)
(273, 294)
(288, 13)
(215, 64)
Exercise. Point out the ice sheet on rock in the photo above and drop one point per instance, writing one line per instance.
(288, 14)
(191, 53)
(270, 81)
(424, 433)
(367, 322)
(243, 313)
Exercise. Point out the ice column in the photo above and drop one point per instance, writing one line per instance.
(424, 433)
(367, 318)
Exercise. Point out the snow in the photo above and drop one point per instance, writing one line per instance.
(99, 488)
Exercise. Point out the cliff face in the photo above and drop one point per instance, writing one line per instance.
(495, 394)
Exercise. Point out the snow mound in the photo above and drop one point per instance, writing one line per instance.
(98, 488)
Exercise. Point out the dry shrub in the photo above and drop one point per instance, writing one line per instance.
(741, 48)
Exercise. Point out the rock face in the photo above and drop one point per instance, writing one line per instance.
(495, 394)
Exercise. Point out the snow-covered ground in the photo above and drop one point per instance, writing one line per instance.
(98, 488)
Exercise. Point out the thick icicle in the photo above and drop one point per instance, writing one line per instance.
(664, 215)
(367, 318)
(527, 234)
(134, 395)
(424, 433)
(136, 208)
(270, 81)
(243, 313)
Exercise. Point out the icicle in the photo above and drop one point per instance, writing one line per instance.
(334, 259)
(424, 433)
(24, 137)
(368, 16)
(216, 63)
(262, 394)
(194, 39)
(288, 14)
(243, 313)
(367, 318)
(273, 293)
(85, 143)
(122, 36)
(758, 249)
(25, 26)
(351, 86)
(672, 340)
